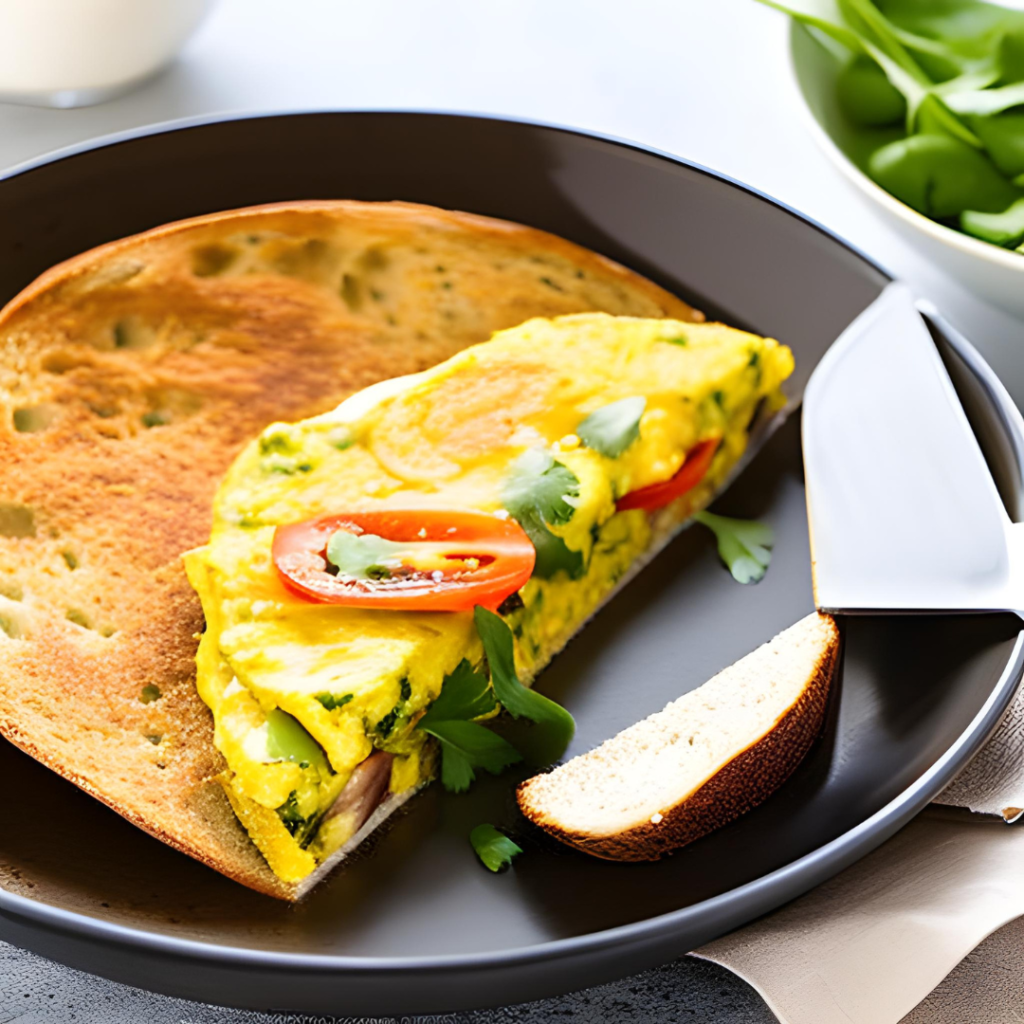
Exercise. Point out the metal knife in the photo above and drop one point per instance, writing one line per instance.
(904, 513)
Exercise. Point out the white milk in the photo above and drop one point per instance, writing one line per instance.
(69, 52)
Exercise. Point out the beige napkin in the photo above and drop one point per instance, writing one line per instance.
(869, 945)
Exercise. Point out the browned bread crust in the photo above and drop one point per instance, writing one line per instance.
(747, 780)
(131, 375)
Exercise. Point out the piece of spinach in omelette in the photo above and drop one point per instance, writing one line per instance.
(550, 423)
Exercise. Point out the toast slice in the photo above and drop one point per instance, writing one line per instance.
(704, 760)
(131, 376)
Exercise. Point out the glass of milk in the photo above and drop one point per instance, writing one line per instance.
(70, 53)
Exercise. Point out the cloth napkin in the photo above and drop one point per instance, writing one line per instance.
(872, 943)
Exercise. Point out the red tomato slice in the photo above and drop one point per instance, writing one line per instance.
(478, 559)
(698, 458)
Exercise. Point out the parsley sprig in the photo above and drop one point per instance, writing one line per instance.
(743, 544)
(467, 695)
(466, 744)
(494, 849)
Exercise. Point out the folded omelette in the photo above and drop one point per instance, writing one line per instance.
(528, 475)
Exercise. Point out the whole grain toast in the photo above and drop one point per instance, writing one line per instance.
(131, 375)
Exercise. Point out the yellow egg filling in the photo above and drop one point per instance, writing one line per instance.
(303, 693)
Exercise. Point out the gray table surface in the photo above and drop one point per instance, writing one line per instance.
(36, 991)
(706, 79)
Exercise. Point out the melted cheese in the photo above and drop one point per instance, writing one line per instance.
(445, 438)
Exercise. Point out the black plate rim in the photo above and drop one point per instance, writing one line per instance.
(208, 120)
(736, 905)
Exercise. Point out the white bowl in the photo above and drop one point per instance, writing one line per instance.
(989, 271)
(71, 53)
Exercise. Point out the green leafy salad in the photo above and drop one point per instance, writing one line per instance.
(935, 92)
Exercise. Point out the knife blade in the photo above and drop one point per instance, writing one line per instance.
(904, 514)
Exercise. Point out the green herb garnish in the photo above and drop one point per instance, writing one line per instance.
(539, 492)
(538, 481)
(290, 814)
(557, 726)
(386, 726)
(302, 828)
(465, 694)
(610, 430)
(330, 702)
(744, 545)
(365, 556)
(150, 693)
(494, 849)
(465, 744)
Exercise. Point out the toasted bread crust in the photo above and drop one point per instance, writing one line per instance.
(131, 375)
(739, 786)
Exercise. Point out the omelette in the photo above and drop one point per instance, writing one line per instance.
(351, 554)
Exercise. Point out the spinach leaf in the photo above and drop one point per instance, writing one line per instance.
(958, 66)
(494, 849)
(1003, 137)
(744, 545)
(1006, 228)
(940, 176)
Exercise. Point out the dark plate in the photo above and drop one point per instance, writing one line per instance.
(418, 925)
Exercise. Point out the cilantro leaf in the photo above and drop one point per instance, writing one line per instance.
(537, 481)
(553, 554)
(539, 493)
(557, 725)
(494, 849)
(365, 556)
(743, 544)
(330, 701)
(610, 430)
(465, 694)
(465, 746)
